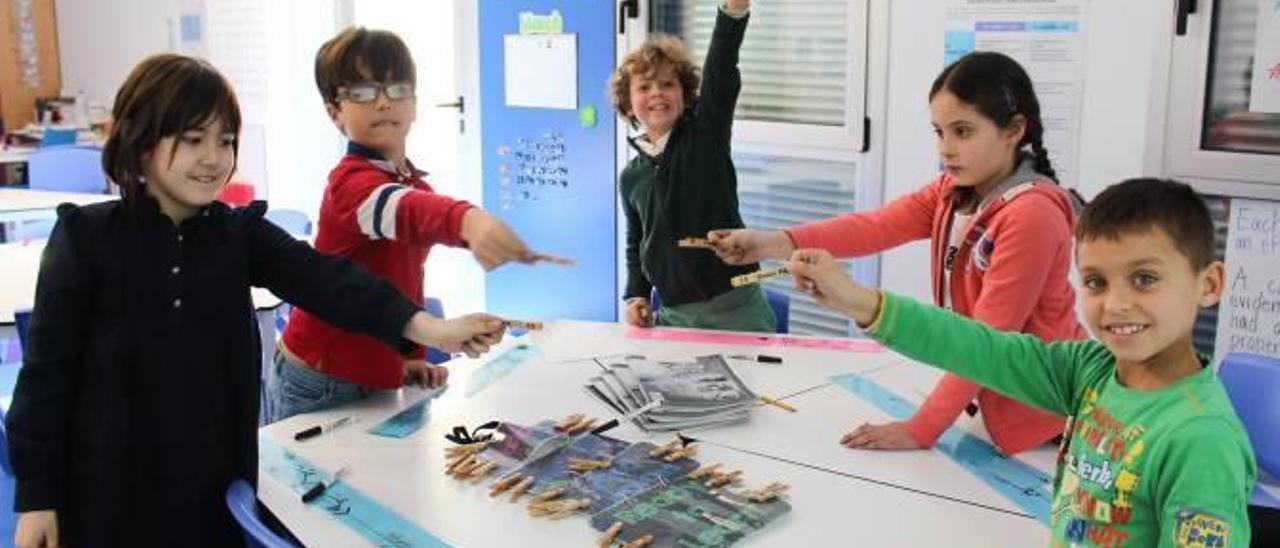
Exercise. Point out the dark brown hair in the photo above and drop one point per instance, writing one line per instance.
(658, 53)
(163, 96)
(1141, 205)
(358, 54)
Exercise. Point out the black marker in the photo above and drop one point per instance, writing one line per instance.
(320, 429)
(612, 423)
(762, 358)
(320, 487)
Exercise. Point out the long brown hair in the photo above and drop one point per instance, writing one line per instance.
(163, 96)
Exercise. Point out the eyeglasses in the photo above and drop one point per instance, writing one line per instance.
(368, 93)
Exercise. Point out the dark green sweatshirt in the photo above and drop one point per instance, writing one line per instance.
(688, 189)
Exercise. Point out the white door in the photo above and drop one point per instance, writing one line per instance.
(436, 37)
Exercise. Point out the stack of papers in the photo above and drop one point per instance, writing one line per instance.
(696, 392)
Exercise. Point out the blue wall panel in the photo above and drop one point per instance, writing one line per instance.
(549, 174)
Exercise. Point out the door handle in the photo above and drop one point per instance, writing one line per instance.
(627, 9)
(460, 103)
(1185, 9)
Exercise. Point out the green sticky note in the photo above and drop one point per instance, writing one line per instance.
(587, 116)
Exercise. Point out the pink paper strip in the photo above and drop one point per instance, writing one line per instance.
(781, 341)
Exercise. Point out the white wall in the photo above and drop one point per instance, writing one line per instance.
(99, 42)
(1125, 44)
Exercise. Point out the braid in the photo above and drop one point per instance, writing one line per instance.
(1040, 156)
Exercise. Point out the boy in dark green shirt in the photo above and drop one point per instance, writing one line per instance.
(682, 181)
(1154, 454)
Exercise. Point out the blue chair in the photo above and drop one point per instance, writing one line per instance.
(435, 308)
(4, 447)
(22, 321)
(780, 303)
(68, 169)
(291, 220)
(57, 137)
(1252, 383)
(243, 503)
(38, 229)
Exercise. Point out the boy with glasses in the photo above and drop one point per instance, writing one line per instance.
(378, 211)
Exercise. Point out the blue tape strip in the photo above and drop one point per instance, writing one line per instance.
(498, 367)
(379, 525)
(1020, 483)
(404, 423)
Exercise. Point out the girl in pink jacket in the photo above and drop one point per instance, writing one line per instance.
(1000, 232)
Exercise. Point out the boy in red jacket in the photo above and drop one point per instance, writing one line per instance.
(379, 212)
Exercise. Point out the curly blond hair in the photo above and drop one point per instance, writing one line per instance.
(658, 54)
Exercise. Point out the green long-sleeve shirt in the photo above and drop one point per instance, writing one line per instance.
(1167, 467)
(688, 189)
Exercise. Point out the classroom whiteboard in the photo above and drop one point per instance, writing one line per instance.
(1249, 316)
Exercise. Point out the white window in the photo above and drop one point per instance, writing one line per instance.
(1213, 139)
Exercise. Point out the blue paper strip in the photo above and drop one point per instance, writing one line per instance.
(1015, 480)
(379, 525)
(498, 367)
(404, 423)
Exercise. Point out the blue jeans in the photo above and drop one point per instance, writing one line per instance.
(294, 388)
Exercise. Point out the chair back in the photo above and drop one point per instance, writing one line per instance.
(236, 194)
(4, 447)
(37, 229)
(1253, 384)
(291, 220)
(57, 137)
(22, 321)
(243, 503)
(68, 168)
(781, 304)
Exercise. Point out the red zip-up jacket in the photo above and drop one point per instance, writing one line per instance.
(387, 222)
(1010, 272)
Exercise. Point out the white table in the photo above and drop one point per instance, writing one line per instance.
(18, 204)
(828, 508)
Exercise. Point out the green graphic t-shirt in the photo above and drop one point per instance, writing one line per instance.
(1168, 467)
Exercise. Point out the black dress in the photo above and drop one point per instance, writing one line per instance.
(137, 402)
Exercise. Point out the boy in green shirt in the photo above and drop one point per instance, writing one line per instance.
(1154, 454)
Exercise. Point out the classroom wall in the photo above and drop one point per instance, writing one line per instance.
(99, 42)
(1124, 41)
(288, 140)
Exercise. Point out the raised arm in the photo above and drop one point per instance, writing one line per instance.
(721, 80)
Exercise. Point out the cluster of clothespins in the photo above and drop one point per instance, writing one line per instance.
(575, 424)
(716, 478)
(673, 451)
(611, 534)
(463, 463)
(767, 493)
(549, 504)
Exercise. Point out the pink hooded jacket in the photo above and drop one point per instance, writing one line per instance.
(1010, 272)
